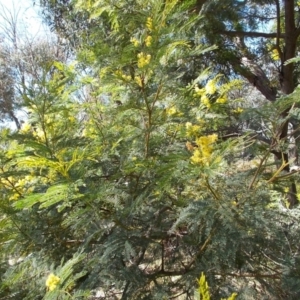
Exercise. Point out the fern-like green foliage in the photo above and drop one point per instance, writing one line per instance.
(124, 182)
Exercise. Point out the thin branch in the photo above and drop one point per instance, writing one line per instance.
(211, 189)
(162, 273)
(245, 275)
(252, 34)
(258, 169)
(124, 296)
(282, 167)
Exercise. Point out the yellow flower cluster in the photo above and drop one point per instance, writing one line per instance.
(138, 80)
(171, 111)
(19, 186)
(38, 133)
(122, 75)
(148, 40)
(222, 100)
(26, 127)
(52, 282)
(143, 59)
(149, 24)
(238, 110)
(210, 87)
(202, 155)
(275, 54)
(199, 92)
(135, 42)
(192, 130)
(103, 72)
(71, 119)
(205, 101)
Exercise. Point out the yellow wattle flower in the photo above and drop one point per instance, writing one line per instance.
(192, 130)
(135, 42)
(202, 155)
(205, 101)
(171, 111)
(26, 127)
(210, 87)
(138, 80)
(149, 24)
(238, 110)
(148, 40)
(143, 59)
(52, 282)
(222, 100)
(275, 54)
(197, 157)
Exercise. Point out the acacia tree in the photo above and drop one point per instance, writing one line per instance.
(133, 191)
(255, 39)
(32, 236)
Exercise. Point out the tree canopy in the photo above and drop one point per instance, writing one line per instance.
(159, 144)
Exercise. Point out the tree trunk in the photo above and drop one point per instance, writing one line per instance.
(287, 79)
(254, 74)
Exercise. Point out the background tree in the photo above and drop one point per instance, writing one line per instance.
(8, 94)
(255, 40)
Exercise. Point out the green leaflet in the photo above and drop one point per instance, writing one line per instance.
(54, 195)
